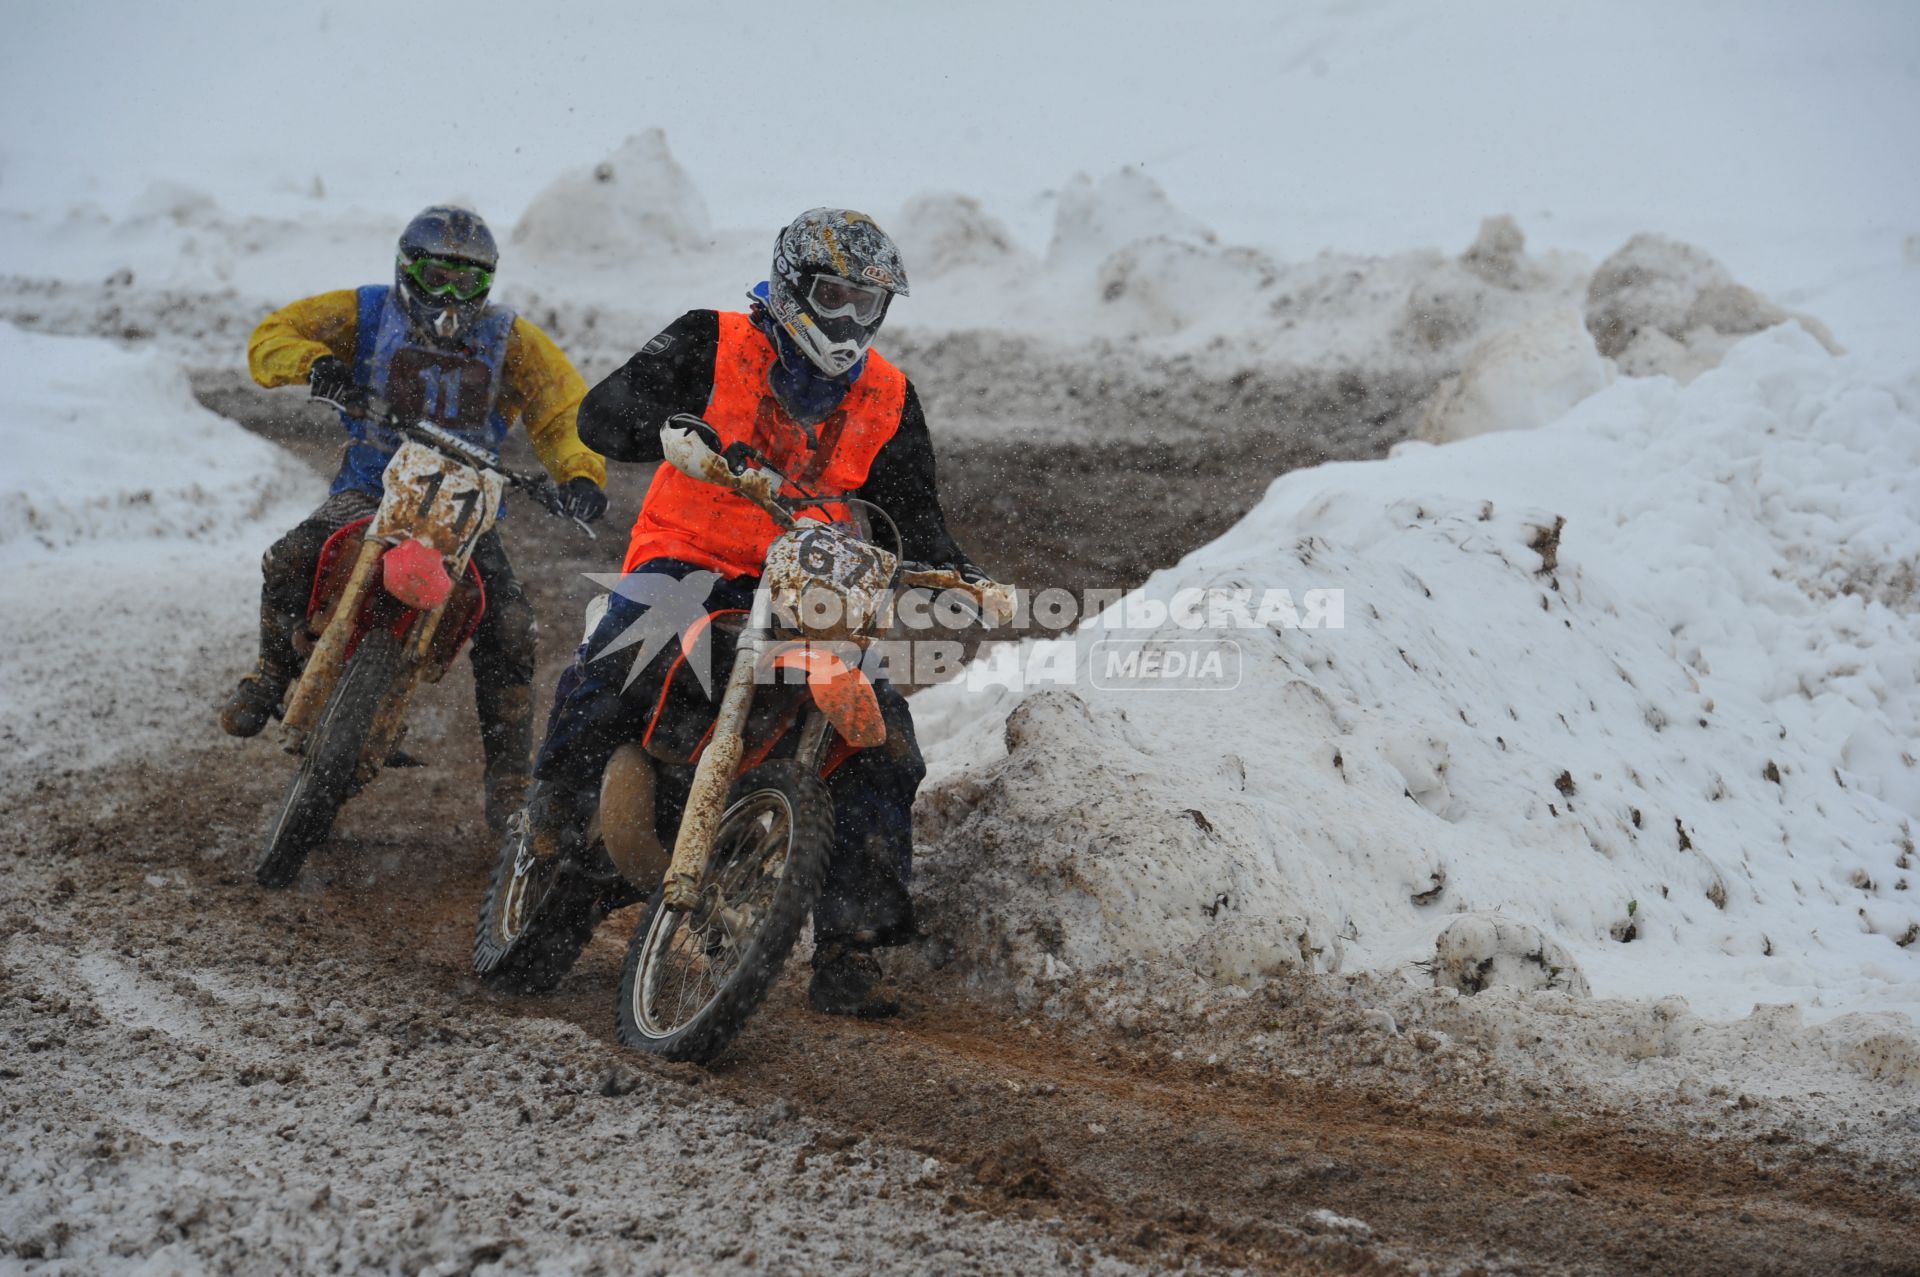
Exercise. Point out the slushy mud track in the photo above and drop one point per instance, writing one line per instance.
(312, 1079)
(335, 1032)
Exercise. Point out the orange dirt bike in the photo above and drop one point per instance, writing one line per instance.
(395, 598)
(740, 799)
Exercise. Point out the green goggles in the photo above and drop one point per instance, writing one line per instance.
(438, 277)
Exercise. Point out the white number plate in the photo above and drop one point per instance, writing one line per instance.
(437, 500)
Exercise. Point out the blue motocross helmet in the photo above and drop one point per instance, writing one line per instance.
(444, 270)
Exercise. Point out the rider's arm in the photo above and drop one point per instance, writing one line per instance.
(672, 373)
(544, 390)
(287, 342)
(901, 482)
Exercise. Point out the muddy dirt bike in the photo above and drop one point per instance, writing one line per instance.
(738, 793)
(395, 598)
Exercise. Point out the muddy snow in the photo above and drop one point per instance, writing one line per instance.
(205, 1079)
(1553, 911)
(1621, 708)
(123, 559)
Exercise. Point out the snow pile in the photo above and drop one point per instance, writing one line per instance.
(1478, 952)
(131, 515)
(1660, 306)
(1641, 682)
(106, 446)
(1092, 219)
(175, 202)
(1518, 378)
(1126, 267)
(1454, 300)
(943, 232)
(631, 204)
(1129, 284)
(1164, 286)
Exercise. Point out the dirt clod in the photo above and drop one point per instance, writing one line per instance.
(1018, 1169)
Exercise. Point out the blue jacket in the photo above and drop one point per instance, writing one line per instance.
(459, 389)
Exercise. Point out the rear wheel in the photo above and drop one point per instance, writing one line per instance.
(325, 775)
(692, 978)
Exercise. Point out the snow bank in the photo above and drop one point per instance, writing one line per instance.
(1671, 735)
(1162, 286)
(108, 455)
(942, 232)
(1518, 378)
(1127, 269)
(632, 204)
(1486, 287)
(1658, 306)
(1128, 280)
(1092, 219)
(134, 517)
(175, 202)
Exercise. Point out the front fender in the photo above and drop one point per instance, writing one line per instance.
(842, 692)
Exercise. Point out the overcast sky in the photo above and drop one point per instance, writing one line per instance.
(1256, 117)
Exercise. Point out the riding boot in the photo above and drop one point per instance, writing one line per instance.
(254, 701)
(506, 738)
(849, 981)
(258, 696)
(558, 816)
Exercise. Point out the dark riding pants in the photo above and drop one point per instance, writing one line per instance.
(865, 898)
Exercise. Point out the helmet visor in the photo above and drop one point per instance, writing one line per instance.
(439, 277)
(831, 297)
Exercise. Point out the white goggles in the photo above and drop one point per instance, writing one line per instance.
(831, 297)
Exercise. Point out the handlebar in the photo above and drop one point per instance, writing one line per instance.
(694, 448)
(996, 600)
(376, 412)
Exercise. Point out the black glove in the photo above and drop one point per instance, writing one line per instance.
(584, 499)
(330, 379)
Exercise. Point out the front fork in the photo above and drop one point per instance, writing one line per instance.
(324, 664)
(713, 777)
(322, 670)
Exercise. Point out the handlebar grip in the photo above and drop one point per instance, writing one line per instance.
(926, 574)
(997, 602)
(697, 426)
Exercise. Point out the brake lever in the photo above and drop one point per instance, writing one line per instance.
(371, 409)
(547, 492)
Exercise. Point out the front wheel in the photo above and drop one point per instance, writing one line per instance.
(325, 775)
(536, 919)
(692, 978)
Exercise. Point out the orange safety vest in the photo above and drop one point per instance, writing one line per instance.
(684, 518)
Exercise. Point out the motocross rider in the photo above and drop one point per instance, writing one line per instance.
(794, 375)
(432, 331)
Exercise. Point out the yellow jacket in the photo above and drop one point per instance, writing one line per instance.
(540, 385)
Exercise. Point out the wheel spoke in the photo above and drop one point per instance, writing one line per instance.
(689, 959)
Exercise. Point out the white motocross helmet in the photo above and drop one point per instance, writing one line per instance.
(834, 274)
